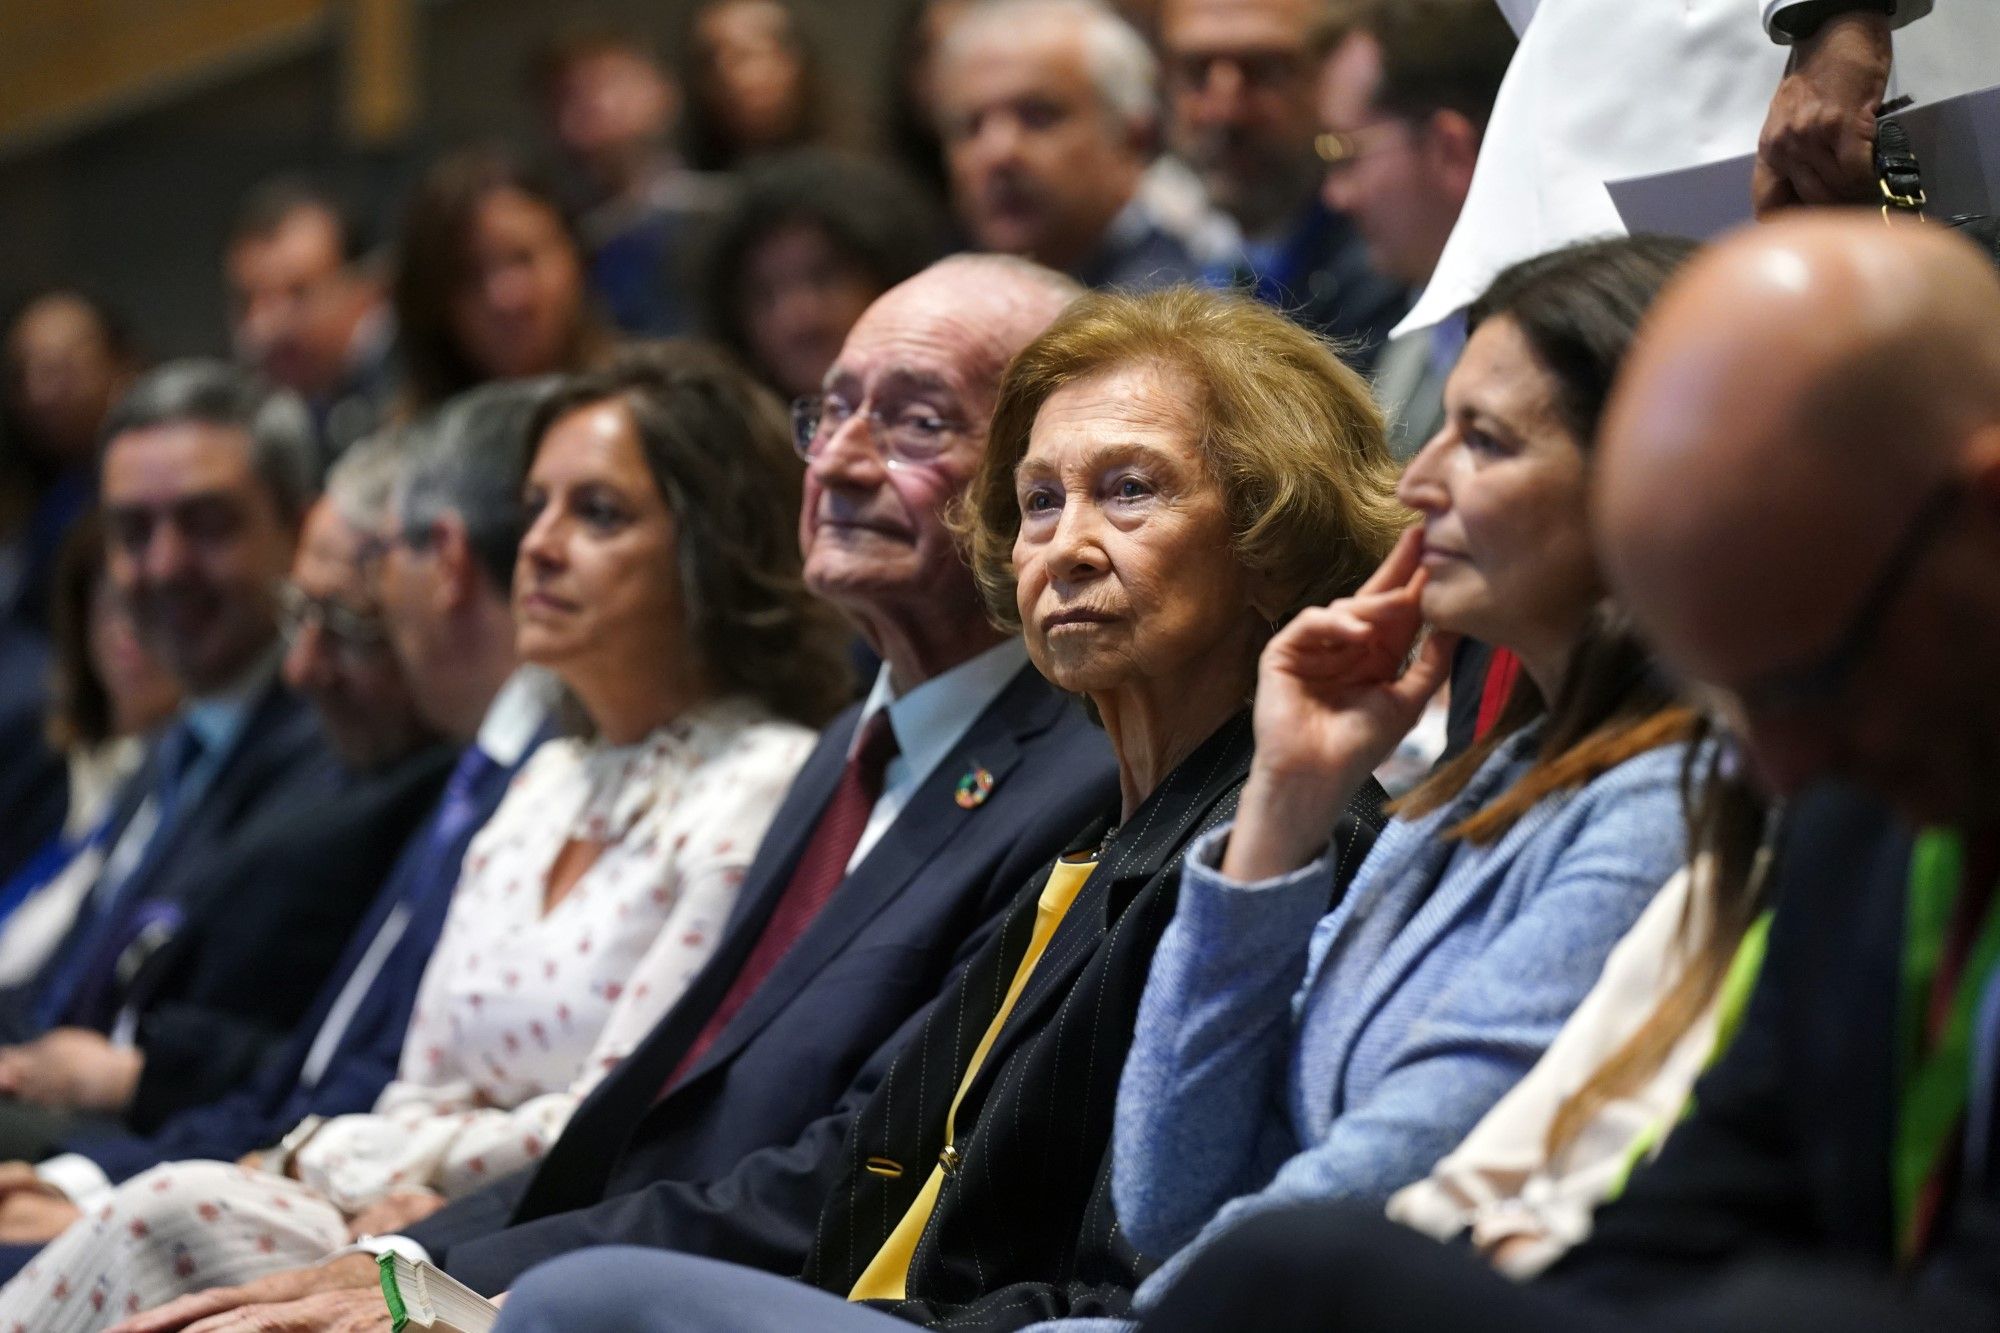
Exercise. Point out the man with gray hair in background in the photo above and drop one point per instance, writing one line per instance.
(1049, 114)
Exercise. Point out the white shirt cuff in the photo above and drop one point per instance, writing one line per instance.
(81, 1180)
(381, 1245)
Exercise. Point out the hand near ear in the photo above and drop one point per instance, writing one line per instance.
(1337, 689)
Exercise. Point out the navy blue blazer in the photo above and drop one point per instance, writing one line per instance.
(265, 1107)
(280, 762)
(755, 1114)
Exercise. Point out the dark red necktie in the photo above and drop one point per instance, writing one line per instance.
(822, 866)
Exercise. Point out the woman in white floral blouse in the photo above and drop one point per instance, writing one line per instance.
(659, 580)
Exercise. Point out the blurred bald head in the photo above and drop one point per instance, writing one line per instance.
(1798, 496)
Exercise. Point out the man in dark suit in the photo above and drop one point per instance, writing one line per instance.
(871, 888)
(446, 557)
(1836, 581)
(224, 953)
(1240, 89)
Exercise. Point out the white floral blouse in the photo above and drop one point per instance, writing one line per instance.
(522, 1011)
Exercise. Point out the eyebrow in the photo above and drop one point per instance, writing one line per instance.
(1102, 456)
(898, 380)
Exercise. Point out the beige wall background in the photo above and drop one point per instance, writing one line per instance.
(129, 128)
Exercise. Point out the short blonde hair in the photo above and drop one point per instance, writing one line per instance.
(1288, 432)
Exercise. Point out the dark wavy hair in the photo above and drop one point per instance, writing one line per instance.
(432, 264)
(718, 446)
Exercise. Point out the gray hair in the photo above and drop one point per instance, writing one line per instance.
(1123, 69)
(469, 460)
(284, 453)
(362, 480)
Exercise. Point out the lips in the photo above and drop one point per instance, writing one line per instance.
(542, 603)
(1076, 615)
(892, 531)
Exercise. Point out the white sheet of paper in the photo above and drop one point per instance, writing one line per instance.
(1957, 142)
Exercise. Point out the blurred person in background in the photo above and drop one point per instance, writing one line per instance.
(1049, 111)
(490, 281)
(754, 84)
(60, 768)
(1240, 93)
(812, 240)
(913, 131)
(610, 110)
(1404, 90)
(66, 359)
(307, 309)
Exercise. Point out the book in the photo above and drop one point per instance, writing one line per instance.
(421, 1296)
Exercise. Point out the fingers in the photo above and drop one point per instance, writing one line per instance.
(182, 1312)
(1427, 673)
(1402, 564)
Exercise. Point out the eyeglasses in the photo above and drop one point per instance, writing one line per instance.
(1338, 151)
(1798, 688)
(909, 436)
(359, 634)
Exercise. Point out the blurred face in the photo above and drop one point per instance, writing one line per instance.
(415, 610)
(337, 653)
(1388, 183)
(1501, 490)
(1242, 102)
(610, 108)
(800, 298)
(1126, 576)
(872, 529)
(294, 304)
(62, 378)
(758, 79)
(522, 302)
(140, 689)
(1038, 167)
(196, 547)
(597, 585)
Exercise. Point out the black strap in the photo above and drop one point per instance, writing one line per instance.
(1896, 168)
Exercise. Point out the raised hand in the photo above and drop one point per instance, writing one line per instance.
(1337, 689)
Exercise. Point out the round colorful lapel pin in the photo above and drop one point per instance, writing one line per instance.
(974, 788)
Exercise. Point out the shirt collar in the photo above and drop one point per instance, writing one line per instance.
(930, 719)
(216, 717)
(516, 714)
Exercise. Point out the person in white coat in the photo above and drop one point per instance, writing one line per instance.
(1605, 89)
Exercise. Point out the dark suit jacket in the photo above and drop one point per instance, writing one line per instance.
(264, 923)
(737, 1158)
(280, 761)
(1023, 1229)
(264, 1109)
(34, 788)
(1786, 1157)
(1323, 279)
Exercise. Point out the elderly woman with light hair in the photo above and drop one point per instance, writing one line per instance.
(1168, 477)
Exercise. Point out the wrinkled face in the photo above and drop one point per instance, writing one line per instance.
(757, 79)
(609, 105)
(196, 547)
(1386, 186)
(62, 377)
(1242, 100)
(293, 303)
(1125, 572)
(518, 312)
(1038, 166)
(1501, 489)
(873, 530)
(337, 653)
(800, 297)
(597, 585)
(140, 689)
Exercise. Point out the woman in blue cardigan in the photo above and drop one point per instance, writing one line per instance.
(1288, 1053)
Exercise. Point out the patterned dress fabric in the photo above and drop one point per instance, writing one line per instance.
(523, 1009)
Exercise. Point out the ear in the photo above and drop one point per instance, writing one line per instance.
(1142, 133)
(454, 568)
(1981, 468)
(1451, 143)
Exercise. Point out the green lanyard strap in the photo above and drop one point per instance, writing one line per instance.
(1936, 1082)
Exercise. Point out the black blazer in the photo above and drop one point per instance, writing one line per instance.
(1023, 1230)
(738, 1157)
(1787, 1154)
(264, 923)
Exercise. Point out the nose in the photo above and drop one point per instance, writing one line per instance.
(167, 555)
(1219, 96)
(308, 664)
(1337, 192)
(1076, 551)
(850, 458)
(1422, 485)
(542, 544)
